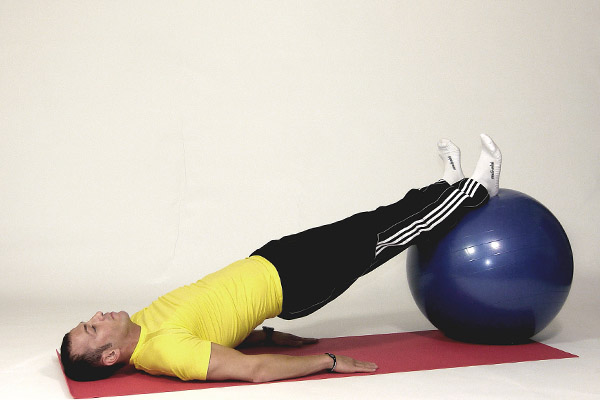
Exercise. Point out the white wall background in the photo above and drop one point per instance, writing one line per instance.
(144, 144)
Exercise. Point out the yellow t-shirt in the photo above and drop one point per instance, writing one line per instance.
(223, 308)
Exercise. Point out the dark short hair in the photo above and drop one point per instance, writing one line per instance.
(87, 366)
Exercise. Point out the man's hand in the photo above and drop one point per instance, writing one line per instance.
(289, 340)
(258, 337)
(347, 365)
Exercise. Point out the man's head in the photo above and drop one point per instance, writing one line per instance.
(97, 348)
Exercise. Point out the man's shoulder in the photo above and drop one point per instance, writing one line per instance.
(170, 351)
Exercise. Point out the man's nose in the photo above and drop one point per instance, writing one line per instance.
(98, 316)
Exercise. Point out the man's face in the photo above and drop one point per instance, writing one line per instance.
(101, 329)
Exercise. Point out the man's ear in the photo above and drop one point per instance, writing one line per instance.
(110, 356)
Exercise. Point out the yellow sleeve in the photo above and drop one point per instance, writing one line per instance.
(174, 352)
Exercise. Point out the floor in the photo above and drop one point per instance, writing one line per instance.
(31, 332)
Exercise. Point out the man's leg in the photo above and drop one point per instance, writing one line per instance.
(317, 265)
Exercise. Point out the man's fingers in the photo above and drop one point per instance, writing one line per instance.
(349, 365)
(365, 366)
(293, 343)
(287, 339)
(298, 341)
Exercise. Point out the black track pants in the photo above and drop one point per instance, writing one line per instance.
(317, 265)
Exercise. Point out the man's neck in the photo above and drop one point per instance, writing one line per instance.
(132, 339)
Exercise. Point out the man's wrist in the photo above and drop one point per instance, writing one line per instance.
(333, 358)
(268, 332)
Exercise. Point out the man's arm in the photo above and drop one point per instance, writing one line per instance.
(230, 364)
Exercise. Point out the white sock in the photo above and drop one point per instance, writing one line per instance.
(450, 155)
(487, 171)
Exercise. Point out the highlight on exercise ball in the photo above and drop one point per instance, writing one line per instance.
(499, 277)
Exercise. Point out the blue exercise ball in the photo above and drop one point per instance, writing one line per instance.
(499, 276)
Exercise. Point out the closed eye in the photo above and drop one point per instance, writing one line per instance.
(85, 328)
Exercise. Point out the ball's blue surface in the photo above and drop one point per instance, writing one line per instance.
(500, 276)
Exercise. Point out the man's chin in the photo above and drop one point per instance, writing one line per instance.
(121, 315)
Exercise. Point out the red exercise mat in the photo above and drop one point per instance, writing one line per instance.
(395, 352)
